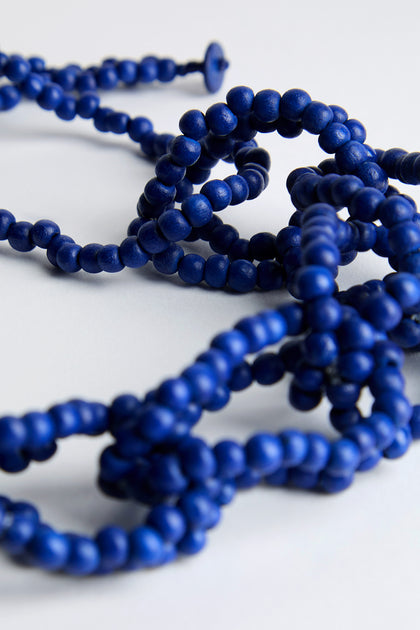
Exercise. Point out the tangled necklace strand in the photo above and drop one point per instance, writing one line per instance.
(334, 343)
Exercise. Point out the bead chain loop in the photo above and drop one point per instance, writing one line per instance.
(337, 342)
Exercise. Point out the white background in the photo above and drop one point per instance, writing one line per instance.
(280, 558)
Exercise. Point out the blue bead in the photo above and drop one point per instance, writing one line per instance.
(174, 393)
(336, 483)
(166, 70)
(40, 430)
(146, 547)
(266, 105)
(150, 239)
(67, 257)
(130, 253)
(87, 105)
(233, 343)
(269, 275)
(313, 282)
(192, 542)
(295, 447)
(321, 348)
(219, 361)
(202, 380)
(333, 136)
(168, 521)
(20, 236)
(83, 557)
(173, 225)
(197, 508)
(241, 377)
(43, 232)
(220, 119)
(382, 311)
(197, 210)
(344, 458)
(117, 122)
(193, 124)
(293, 103)
(127, 71)
(400, 445)
(240, 100)
(107, 77)
(383, 427)
(355, 366)
(66, 418)
(268, 369)
(88, 258)
(317, 454)
(13, 434)
(185, 151)
(48, 549)
(222, 238)
(316, 117)
(242, 276)
(157, 193)
(340, 114)
(357, 130)
(139, 128)
(255, 181)
(216, 271)
(167, 262)
(191, 268)
(51, 96)
(16, 69)
(239, 188)
(264, 453)
(154, 422)
(218, 193)
(113, 547)
(6, 221)
(147, 70)
(372, 175)
(301, 399)
(32, 86)
(395, 405)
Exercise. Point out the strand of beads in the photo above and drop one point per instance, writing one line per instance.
(341, 341)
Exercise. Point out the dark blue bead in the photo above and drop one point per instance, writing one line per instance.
(127, 71)
(147, 70)
(293, 103)
(130, 254)
(67, 257)
(6, 221)
(167, 262)
(51, 96)
(197, 210)
(185, 151)
(48, 549)
(240, 100)
(193, 124)
(218, 193)
(266, 105)
(333, 136)
(242, 276)
(191, 268)
(19, 236)
(316, 117)
(220, 119)
(107, 77)
(88, 258)
(357, 130)
(87, 105)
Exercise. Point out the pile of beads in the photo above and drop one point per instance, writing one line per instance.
(337, 342)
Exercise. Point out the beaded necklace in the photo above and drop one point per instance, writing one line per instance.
(338, 342)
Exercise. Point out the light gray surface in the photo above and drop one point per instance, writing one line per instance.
(280, 558)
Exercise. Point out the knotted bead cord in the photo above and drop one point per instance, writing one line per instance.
(338, 342)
